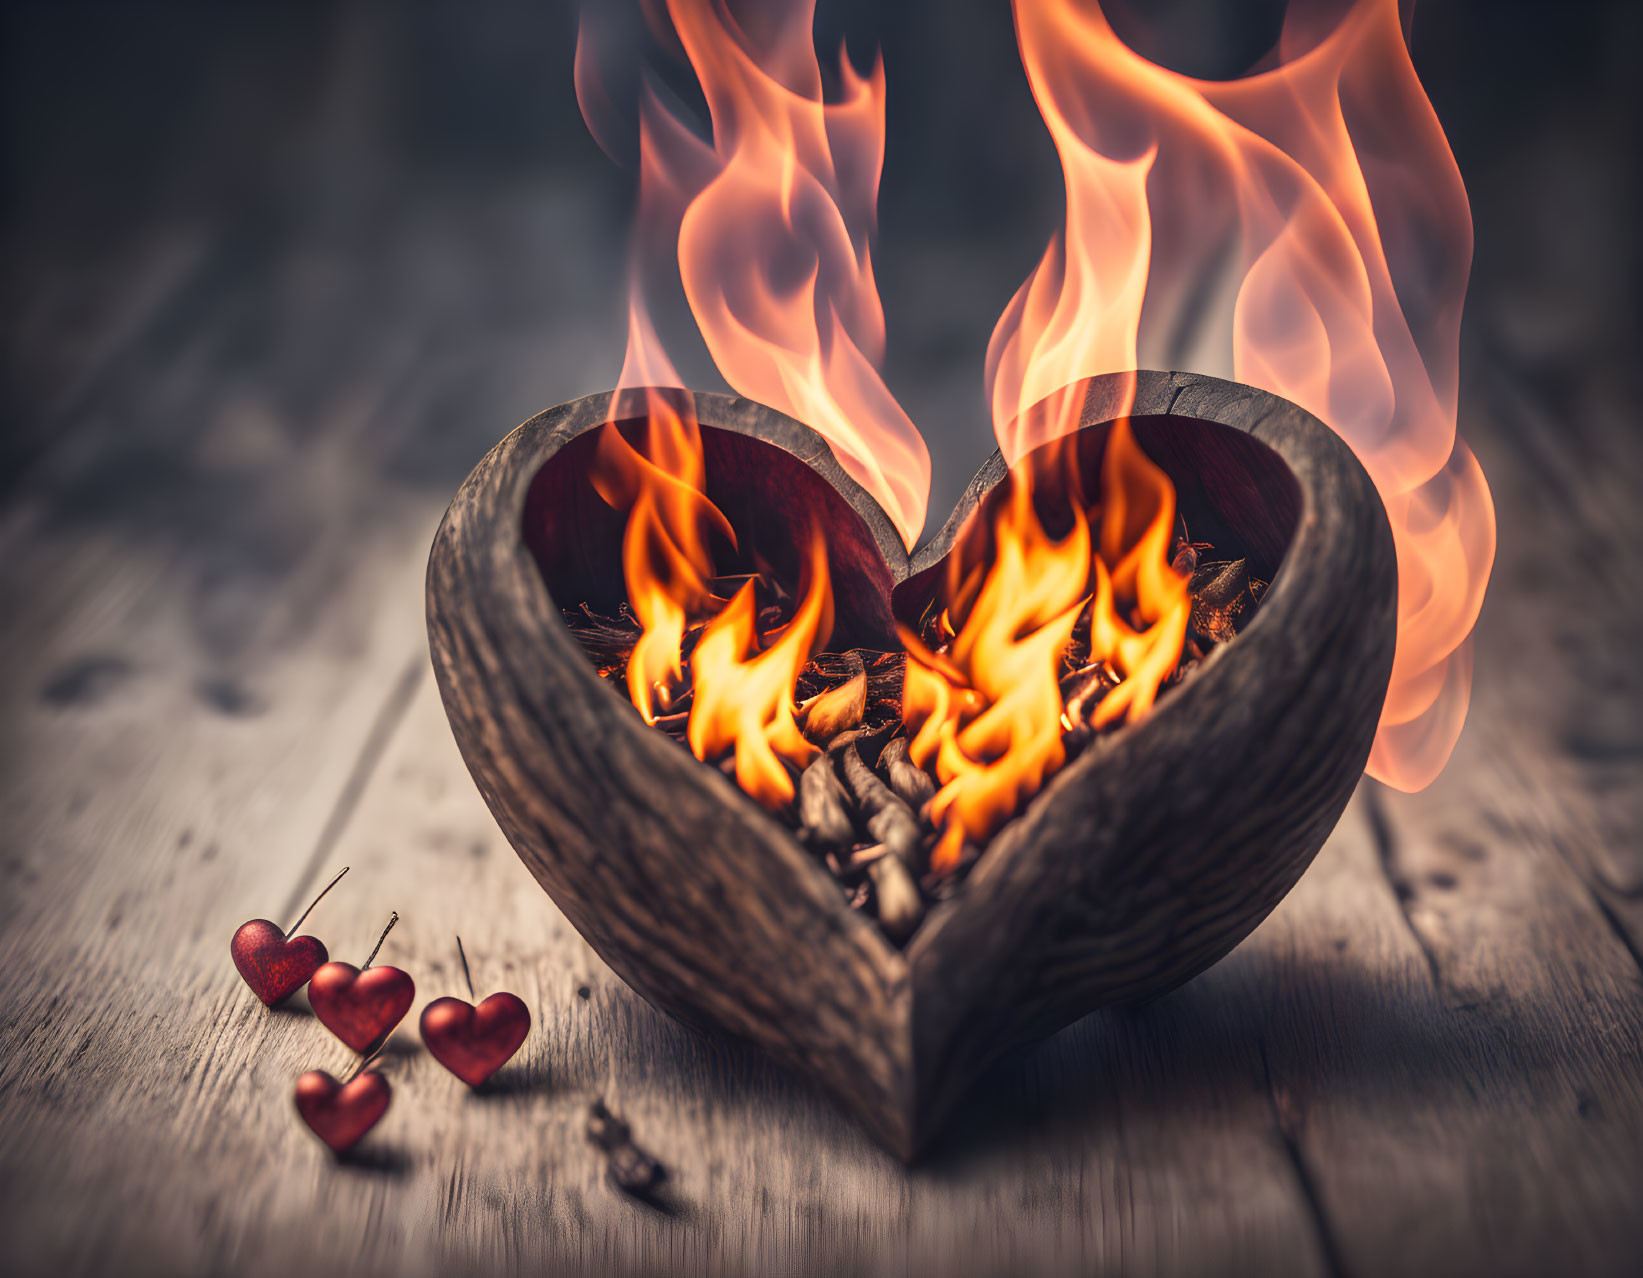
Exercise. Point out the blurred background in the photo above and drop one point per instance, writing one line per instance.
(300, 198)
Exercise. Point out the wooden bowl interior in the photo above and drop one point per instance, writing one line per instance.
(1233, 491)
(770, 498)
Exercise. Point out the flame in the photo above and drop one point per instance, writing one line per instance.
(1328, 180)
(741, 683)
(772, 224)
(718, 204)
(665, 556)
(986, 714)
(744, 696)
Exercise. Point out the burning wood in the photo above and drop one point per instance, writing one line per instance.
(872, 826)
(1221, 595)
(886, 818)
(900, 907)
(879, 827)
(1033, 647)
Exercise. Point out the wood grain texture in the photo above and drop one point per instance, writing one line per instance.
(1142, 862)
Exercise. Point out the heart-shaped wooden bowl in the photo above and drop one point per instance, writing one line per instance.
(1141, 863)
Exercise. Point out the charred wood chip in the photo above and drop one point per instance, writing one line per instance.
(824, 807)
(673, 724)
(826, 670)
(1082, 690)
(1180, 673)
(900, 907)
(1221, 585)
(608, 641)
(838, 709)
(693, 636)
(887, 818)
(861, 856)
(1220, 595)
(605, 1129)
(843, 868)
(628, 1167)
(911, 784)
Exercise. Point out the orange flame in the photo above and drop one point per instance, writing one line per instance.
(665, 557)
(986, 715)
(1329, 175)
(772, 223)
(741, 694)
(744, 696)
(741, 682)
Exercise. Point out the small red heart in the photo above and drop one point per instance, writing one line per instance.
(360, 1007)
(341, 1113)
(272, 966)
(474, 1042)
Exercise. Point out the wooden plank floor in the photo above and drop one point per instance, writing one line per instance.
(231, 450)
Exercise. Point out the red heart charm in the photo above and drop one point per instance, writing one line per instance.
(474, 1042)
(360, 1007)
(272, 966)
(341, 1113)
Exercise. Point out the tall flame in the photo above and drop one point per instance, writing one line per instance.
(1350, 235)
(772, 223)
(740, 682)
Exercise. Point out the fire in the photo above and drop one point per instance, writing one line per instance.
(666, 561)
(772, 223)
(1328, 181)
(739, 682)
(986, 714)
(744, 696)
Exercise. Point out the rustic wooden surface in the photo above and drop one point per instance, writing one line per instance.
(229, 440)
